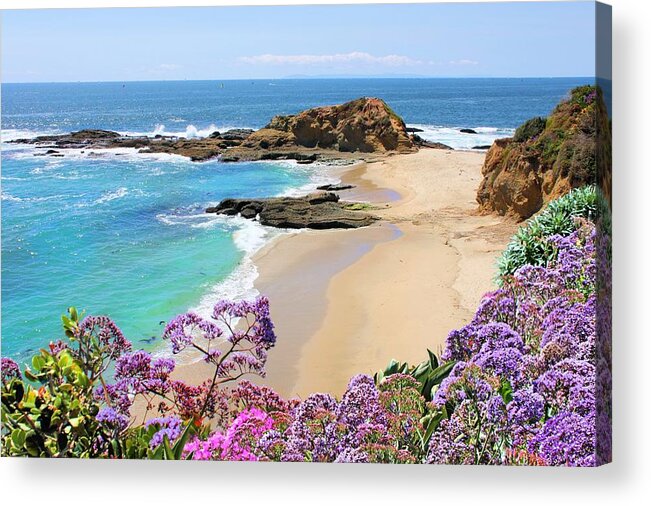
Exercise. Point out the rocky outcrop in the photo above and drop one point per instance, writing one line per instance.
(367, 125)
(422, 143)
(195, 149)
(467, 131)
(362, 126)
(547, 157)
(320, 210)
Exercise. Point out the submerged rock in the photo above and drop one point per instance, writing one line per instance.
(467, 131)
(319, 210)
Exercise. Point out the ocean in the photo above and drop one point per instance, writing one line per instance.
(124, 234)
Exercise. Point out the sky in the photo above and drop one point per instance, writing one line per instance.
(418, 40)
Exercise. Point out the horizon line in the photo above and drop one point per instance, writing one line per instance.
(306, 78)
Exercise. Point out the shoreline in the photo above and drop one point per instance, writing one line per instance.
(343, 300)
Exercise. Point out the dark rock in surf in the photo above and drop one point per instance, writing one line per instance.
(320, 210)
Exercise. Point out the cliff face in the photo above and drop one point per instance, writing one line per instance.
(367, 125)
(547, 157)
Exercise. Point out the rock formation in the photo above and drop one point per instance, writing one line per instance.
(319, 210)
(547, 157)
(367, 125)
(422, 143)
(362, 126)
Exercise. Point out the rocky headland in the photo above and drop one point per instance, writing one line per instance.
(547, 157)
(354, 130)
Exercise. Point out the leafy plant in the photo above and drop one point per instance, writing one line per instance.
(429, 373)
(55, 414)
(531, 246)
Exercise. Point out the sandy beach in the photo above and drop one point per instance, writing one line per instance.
(348, 301)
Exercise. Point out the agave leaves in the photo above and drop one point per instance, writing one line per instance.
(530, 244)
(428, 373)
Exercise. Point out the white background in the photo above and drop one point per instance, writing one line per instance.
(626, 481)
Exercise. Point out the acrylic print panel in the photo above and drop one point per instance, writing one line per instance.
(347, 233)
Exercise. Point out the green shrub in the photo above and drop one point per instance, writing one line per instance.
(529, 246)
(530, 129)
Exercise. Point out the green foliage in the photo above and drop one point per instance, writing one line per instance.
(136, 443)
(530, 129)
(56, 419)
(529, 246)
(428, 374)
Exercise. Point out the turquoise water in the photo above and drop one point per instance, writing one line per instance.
(125, 235)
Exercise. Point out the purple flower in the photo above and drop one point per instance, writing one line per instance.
(569, 385)
(450, 445)
(352, 456)
(9, 370)
(526, 408)
(568, 439)
(107, 333)
(112, 419)
(169, 426)
(181, 331)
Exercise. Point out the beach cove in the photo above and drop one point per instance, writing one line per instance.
(93, 186)
(348, 301)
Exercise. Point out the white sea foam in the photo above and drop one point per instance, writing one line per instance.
(12, 198)
(318, 174)
(249, 237)
(112, 195)
(191, 131)
(25, 152)
(453, 137)
(13, 134)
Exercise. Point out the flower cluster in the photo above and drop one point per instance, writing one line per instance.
(169, 427)
(531, 370)
(241, 441)
(235, 343)
(112, 419)
(9, 370)
(369, 424)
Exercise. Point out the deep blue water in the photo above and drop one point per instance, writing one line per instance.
(125, 235)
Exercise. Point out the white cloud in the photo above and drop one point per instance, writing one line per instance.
(169, 66)
(392, 60)
(464, 62)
